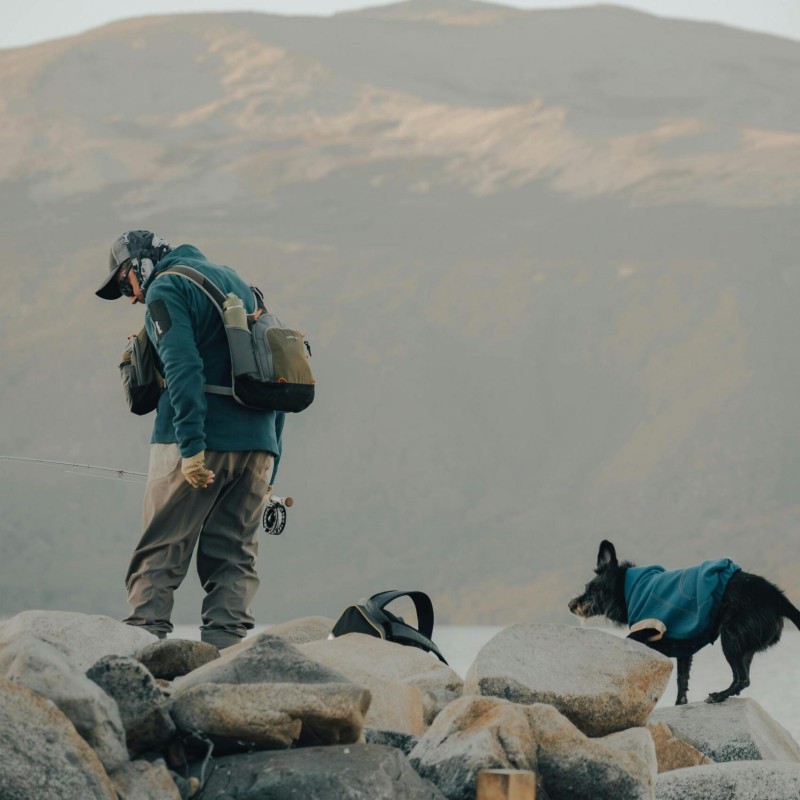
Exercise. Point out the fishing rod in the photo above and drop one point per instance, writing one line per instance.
(273, 520)
(120, 473)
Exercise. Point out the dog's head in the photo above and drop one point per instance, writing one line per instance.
(604, 595)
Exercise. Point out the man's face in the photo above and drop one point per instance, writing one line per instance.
(128, 283)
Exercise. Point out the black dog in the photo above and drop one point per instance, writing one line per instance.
(748, 618)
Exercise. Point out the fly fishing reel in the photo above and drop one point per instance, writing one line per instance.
(274, 518)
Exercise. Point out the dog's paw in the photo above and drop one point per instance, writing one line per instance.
(682, 700)
(716, 697)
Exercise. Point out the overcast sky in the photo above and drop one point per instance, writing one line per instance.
(27, 21)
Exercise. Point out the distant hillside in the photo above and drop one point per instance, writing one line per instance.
(547, 261)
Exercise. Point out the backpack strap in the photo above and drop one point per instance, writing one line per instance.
(205, 284)
(422, 605)
(401, 631)
(215, 295)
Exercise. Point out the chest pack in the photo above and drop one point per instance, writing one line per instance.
(370, 616)
(269, 361)
(139, 370)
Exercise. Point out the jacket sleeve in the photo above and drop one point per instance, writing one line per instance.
(169, 325)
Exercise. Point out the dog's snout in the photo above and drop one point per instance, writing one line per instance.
(573, 604)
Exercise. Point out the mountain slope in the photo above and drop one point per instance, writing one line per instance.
(547, 262)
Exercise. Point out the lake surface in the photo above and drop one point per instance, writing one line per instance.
(774, 676)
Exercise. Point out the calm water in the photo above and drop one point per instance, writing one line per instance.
(774, 676)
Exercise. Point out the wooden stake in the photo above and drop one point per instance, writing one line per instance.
(506, 784)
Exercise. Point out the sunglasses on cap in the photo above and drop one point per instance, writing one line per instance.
(125, 287)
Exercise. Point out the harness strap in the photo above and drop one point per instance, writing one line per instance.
(401, 631)
(422, 604)
(206, 285)
(212, 291)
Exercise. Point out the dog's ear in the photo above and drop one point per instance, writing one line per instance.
(606, 555)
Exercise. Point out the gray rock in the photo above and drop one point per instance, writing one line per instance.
(396, 705)
(364, 659)
(142, 705)
(575, 767)
(354, 772)
(402, 741)
(478, 733)
(43, 757)
(737, 730)
(45, 670)
(638, 742)
(673, 750)
(602, 683)
(142, 780)
(470, 735)
(272, 715)
(83, 638)
(741, 780)
(303, 630)
(171, 658)
(269, 659)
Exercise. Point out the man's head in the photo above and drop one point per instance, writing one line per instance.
(131, 265)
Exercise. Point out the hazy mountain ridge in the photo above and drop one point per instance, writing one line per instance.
(231, 88)
(549, 284)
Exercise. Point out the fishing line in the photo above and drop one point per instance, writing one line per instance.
(76, 474)
(273, 519)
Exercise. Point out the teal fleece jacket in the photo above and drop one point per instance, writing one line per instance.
(188, 334)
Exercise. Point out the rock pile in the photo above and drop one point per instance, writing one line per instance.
(93, 709)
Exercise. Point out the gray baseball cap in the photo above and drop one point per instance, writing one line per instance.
(144, 249)
(109, 290)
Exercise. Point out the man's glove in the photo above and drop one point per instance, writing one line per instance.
(195, 472)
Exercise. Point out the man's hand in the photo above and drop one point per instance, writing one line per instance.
(195, 472)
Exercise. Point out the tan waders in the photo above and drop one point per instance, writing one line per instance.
(222, 521)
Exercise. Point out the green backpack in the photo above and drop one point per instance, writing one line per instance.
(269, 361)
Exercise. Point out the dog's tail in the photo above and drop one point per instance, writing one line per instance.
(789, 611)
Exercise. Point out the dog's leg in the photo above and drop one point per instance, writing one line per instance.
(750, 621)
(740, 666)
(747, 660)
(684, 667)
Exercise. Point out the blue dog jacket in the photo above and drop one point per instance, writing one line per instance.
(686, 601)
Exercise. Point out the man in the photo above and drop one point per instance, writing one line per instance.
(211, 460)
